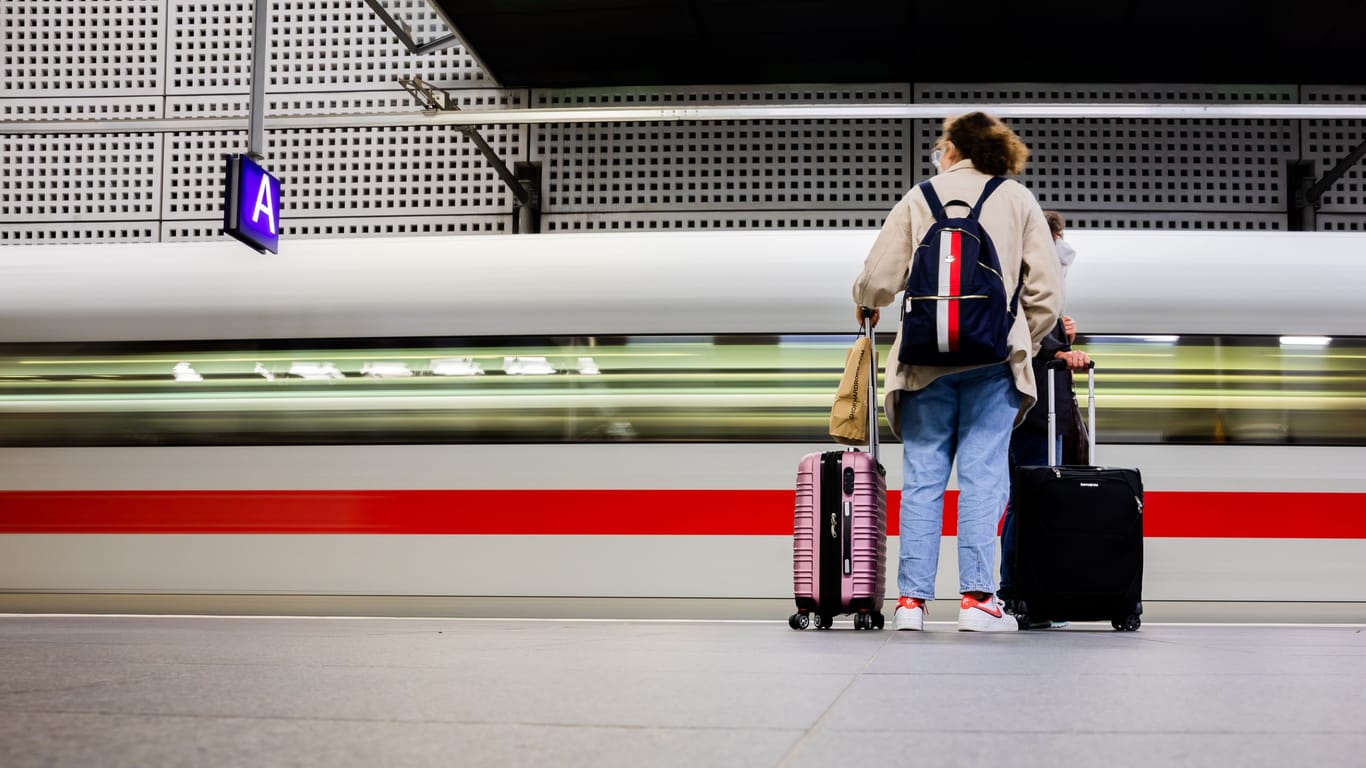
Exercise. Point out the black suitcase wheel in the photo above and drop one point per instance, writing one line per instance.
(824, 622)
(1129, 623)
(798, 621)
(869, 621)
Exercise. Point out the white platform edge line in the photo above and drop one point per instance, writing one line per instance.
(488, 619)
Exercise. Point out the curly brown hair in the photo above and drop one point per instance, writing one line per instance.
(989, 143)
(1056, 223)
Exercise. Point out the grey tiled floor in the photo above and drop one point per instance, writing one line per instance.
(153, 691)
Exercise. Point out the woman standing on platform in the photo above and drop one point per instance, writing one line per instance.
(943, 414)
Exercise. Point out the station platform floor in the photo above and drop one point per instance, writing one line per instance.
(119, 690)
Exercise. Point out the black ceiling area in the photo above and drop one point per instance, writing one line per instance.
(597, 43)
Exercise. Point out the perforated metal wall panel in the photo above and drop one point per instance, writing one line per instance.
(1326, 142)
(86, 47)
(367, 171)
(1341, 223)
(107, 59)
(583, 222)
(388, 226)
(1127, 170)
(87, 59)
(1179, 220)
(109, 108)
(66, 179)
(76, 232)
(758, 166)
(315, 45)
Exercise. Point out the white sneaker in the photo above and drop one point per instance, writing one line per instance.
(910, 613)
(987, 615)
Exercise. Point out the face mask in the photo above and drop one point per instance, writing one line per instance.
(1066, 253)
(936, 158)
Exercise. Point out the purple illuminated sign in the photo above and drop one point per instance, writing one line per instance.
(251, 205)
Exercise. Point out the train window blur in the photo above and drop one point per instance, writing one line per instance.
(1150, 389)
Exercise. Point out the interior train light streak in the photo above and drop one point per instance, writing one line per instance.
(1306, 341)
(527, 366)
(456, 366)
(185, 372)
(385, 370)
(316, 371)
(1232, 389)
(1121, 339)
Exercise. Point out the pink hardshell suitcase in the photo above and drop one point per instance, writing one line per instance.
(839, 531)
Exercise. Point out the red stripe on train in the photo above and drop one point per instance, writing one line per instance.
(599, 513)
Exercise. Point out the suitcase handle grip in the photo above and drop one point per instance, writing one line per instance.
(1054, 365)
(1058, 365)
(866, 328)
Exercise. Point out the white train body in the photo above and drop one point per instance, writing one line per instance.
(571, 485)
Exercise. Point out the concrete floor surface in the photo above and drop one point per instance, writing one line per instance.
(219, 691)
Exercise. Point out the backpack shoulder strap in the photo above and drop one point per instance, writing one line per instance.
(936, 208)
(992, 184)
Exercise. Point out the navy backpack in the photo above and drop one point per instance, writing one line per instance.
(955, 311)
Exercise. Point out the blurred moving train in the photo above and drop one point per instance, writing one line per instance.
(616, 415)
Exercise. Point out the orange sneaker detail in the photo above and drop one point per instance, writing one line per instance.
(911, 603)
(987, 606)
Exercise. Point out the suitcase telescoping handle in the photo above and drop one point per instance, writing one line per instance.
(1054, 365)
(866, 327)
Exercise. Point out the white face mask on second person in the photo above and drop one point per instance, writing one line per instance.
(1066, 253)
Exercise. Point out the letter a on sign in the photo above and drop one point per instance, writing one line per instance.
(264, 205)
(251, 204)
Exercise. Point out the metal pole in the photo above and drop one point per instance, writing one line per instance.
(1300, 211)
(525, 224)
(1309, 218)
(256, 141)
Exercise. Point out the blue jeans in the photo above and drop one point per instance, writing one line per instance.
(968, 415)
(1026, 450)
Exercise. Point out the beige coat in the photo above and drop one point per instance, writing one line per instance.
(1015, 222)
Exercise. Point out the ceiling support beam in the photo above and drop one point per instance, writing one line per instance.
(524, 184)
(1307, 194)
(404, 34)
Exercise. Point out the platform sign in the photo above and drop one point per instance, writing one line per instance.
(251, 204)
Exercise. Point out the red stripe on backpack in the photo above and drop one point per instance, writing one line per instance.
(955, 282)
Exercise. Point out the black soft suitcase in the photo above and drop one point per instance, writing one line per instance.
(1078, 536)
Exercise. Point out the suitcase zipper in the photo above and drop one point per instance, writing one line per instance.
(906, 305)
(1138, 500)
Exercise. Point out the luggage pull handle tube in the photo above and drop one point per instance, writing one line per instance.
(866, 328)
(1054, 365)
